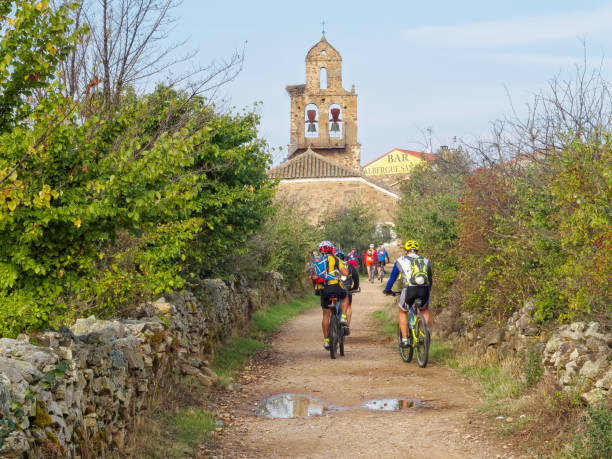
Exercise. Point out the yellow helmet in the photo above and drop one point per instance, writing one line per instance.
(411, 245)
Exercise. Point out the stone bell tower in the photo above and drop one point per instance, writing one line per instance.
(323, 113)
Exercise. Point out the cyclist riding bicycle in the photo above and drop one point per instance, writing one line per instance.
(370, 260)
(383, 258)
(417, 280)
(326, 272)
(351, 283)
(353, 258)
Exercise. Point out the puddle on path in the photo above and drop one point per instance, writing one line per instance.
(290, 406)
(392, 404)
(299, 405)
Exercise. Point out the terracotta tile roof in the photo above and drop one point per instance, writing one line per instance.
(322, 149)
(310, 165)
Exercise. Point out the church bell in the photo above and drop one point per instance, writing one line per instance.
(335, 126)
(312, 114)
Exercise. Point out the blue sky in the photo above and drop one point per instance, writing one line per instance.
(444, 65)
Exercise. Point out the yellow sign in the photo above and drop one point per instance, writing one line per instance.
(394, 162)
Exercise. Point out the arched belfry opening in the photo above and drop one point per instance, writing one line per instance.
(311, 125)
(323, 113)
(335, 121)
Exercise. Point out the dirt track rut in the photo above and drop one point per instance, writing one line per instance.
(449, 427)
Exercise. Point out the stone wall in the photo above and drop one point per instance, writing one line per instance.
(77, 391)
(579, 354)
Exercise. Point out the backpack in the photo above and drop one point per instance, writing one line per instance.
(418, 271)
(319, 271)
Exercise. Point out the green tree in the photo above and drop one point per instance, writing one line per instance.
(284, 244)
(350, 226)
(34, 39)
(428, 213)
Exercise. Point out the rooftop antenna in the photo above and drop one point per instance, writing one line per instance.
(323, 25)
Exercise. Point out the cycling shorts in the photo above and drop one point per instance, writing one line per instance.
(382, 263)
(411, 293)
(331, 291)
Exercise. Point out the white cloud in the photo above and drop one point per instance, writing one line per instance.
(517, 31)
(546, 60)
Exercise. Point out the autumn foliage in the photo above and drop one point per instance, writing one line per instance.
(536, 227)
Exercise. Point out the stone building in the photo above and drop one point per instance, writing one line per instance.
(318, 183)
(323, 170)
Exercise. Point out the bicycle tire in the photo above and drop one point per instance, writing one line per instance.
(333, 336)
(422, 344)
(341, 339)
(405, 352)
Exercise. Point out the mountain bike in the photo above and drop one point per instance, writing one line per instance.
(381, 274)
(418, 335)
(336, 331)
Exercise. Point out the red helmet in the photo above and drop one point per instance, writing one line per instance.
(326, 246)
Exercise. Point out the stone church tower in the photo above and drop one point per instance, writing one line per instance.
(323, 168)
(323, 113)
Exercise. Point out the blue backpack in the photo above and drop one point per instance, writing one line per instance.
(319, 272)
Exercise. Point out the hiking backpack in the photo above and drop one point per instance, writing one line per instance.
(319, 272)
(418, 271)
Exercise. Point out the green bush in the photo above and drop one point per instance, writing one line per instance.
(284, 244)
(597, 440)
(101, 210)
(428, 213)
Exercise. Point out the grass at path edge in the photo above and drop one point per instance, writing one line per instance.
(233, 355)
(439, 351)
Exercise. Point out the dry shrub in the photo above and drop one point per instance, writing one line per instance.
(151, 436)
(550, 415)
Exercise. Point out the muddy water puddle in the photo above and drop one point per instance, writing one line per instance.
(300, 405)
(290, 406)
(393, 404)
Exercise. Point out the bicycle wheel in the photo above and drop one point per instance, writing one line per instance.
(422, 344)
(333, 336)
(341, 338)
(405, 352)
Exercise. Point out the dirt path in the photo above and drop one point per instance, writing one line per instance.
(449, 426)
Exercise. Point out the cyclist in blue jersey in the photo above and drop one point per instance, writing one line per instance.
(417, 279)
(383, 258)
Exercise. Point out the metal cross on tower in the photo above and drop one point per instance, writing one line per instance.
(323, 25)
